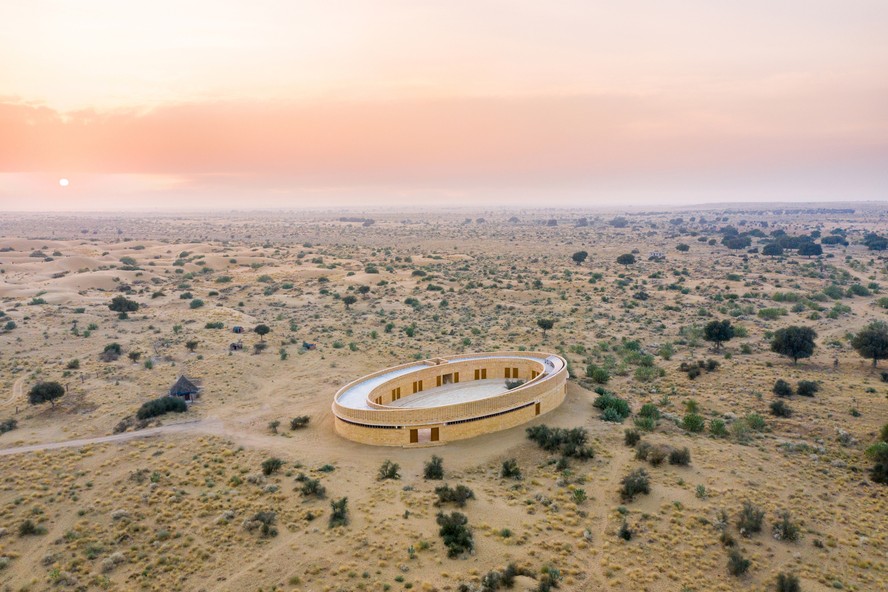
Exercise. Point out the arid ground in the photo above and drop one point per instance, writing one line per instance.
(92, 498)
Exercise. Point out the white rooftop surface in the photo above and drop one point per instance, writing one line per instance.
(451, 394)
(356, 396)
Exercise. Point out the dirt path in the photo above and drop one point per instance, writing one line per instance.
(16, 392)
(209, 425)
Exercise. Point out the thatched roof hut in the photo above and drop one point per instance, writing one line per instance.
(185, 388)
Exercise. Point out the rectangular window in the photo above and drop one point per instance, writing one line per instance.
(417, 386)
(435, 434)
(438, 381)
(514, 372)
(483, 373)
(414, 436)
(508, 373)
(477, 374)
(456, 377)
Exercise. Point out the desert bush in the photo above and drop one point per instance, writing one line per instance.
(788, 583)
(265, 522)
(649, 410)
(161, 406)
(613, 408)
(780, 409)
(434, 468)
(299, 422)
(737, 564)
(680, 456)
(878, 453)
(642, 450)
(271, 465)
(570, 442)
(750, 520)
(631, 437)
(455, 532)
(647, 424)
(785, 529)
(635, 483)
(755, 422)
(625, 532)
(29, 528)
(782, 388)
(807, 388)
(693, 422)
(717, 428)
(510, 469)
(339, 513)
(458, 495)
(7, 425)
(313, 487)
(657, 455)
(388, 470)
(597, 374)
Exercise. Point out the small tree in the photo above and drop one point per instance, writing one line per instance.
(434, 468)
(626, 259)
(634, 483)
(810, 250)
(579, 257)
(299, 422)
(718, 332)
(772, 250)
(545, 325)
(872, 341)
(191, 345)
(794, 342)
(134, 356)
(510, 469)
(123, 304)
(349, 300)
(45, 391)
(262, 331)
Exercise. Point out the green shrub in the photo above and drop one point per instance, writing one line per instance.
(7, 425)
(339, 514)
(750, 520)
(614, 409)
(780, 409)
(647, 424)
(458, 495)
(785, 529)
(755, 422)
(717, 428)
(455, 532)
(161, 406)
(313, 487)
(807, 388)
(879, 454)
(782, 388)
(570, 442)
(631, 437)
(271, 465)
(389, 470)
(510, 469)
(434, 468)
(693, 422)
(788, 583)
(635, 483)
(649, 410)
(680, 457)
(299, 422)
(737, 564)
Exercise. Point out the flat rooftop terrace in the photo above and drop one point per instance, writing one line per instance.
(451, 394)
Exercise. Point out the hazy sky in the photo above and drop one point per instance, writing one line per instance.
(216, 103)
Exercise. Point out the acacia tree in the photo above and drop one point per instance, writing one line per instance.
(872, 341)
(45, 391)
(626, 259)
(794, 342)
(123, 304)
(718, 332)
(349, 300)
(579, 257)
(262, 331)
(545, 325)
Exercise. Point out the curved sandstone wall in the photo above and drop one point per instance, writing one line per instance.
(384, 425)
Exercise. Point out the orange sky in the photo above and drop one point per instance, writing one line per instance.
(283, 103)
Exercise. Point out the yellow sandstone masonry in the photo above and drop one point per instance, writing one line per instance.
(382, 424)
